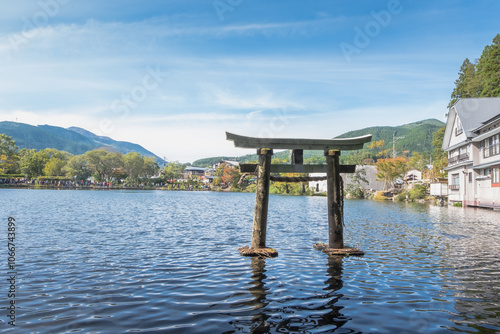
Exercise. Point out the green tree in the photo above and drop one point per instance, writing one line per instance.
(32, 162)
(95, 162)
(173, 170)
(150, 167)
(439, 157)
(8, 154)
(479, 79)
(417, 161)
(468, 83)
(7, 145)
(54, 167)
(56, 162)
(488, 69)
(77, 168)
(356, 158)
(113, 162)
(355, 188)
(53, 153)
(133, 164)
(103, 163)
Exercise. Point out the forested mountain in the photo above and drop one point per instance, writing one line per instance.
(73, 140)
(412, 137)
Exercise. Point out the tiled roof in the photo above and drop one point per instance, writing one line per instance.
(474, 112)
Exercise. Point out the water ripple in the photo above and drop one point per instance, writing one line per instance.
(167, 262)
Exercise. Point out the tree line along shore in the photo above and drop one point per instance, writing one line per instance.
(102, 169)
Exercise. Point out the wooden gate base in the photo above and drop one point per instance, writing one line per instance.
(260, 252)
(346, 251)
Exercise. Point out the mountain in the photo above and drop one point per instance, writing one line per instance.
(413, 137)
(73, 140)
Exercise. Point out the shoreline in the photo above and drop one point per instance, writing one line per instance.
(91, 187)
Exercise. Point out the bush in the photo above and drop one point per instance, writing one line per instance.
(354, 192)
(457, 204)
(403, 196)
(419, 191)
(250, 189)
(11, 176)
(379, 196)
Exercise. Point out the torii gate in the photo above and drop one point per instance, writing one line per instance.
(331, 148)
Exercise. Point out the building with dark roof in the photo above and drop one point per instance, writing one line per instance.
(194, 171)
(472, 140)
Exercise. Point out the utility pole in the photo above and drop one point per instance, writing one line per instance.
(394, 138)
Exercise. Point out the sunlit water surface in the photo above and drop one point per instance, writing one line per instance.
(167, 262)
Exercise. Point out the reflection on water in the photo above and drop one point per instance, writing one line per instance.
(258, 291)
(321, 309)
(167, 262)
(471, 251)
(334, 283)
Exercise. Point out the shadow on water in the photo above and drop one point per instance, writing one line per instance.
(318, 313)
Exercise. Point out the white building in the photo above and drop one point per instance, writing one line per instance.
(413, 176)
(473, 145)
(371, 177)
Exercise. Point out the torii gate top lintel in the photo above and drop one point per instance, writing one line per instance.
(344, 144)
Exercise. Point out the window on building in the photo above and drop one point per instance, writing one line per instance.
(495, 149)
(470, 177)
(491, 146)
(458, 130)
(487, 172)
(495, 176)
(455, 182)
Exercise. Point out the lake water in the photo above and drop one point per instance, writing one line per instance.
(167, 262)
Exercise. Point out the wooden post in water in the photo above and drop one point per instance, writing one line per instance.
(334, 193)
(262, 198)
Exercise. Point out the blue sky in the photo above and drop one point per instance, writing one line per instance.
(174, 75)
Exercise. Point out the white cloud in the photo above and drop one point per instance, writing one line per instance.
(263, 100)
(254, 114)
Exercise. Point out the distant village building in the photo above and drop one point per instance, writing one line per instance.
(472, 140)
(194, 171)
(413, 176)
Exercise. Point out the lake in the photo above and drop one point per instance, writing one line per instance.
(167, 262)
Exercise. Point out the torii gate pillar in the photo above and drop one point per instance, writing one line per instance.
(262, 198)
(334, 193)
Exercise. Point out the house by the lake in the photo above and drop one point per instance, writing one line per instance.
(472, 141)
(194, 171)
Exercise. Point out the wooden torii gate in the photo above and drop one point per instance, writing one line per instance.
(264, 168)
